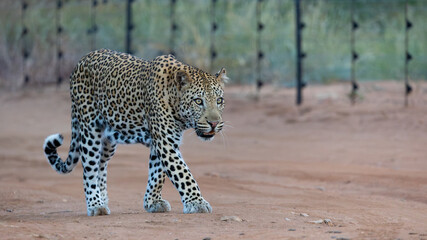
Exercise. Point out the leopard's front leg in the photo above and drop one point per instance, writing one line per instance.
(153, 201)
(175, 168)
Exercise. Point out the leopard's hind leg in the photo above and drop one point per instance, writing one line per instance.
(108, 150)
(91, 150)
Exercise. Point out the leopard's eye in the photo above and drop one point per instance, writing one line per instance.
(198, 101)
(220, 100)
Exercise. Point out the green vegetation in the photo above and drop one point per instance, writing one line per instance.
(326, 38)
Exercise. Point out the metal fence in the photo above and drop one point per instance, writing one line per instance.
(286, 42)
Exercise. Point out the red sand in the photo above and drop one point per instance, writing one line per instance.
(363, 167)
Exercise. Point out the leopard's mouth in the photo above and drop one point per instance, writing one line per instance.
(205, 135)
(209, 133)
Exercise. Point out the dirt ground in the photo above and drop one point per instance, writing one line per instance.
(276, 167)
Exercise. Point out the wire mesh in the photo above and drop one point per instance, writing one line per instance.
(380, 38)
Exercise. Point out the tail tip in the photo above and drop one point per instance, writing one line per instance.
(53, 141)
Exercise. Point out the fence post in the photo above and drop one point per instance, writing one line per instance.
(24, 34)
(300, 54)
(129, 27)
(214, 28)
(174, 27)
(93, 28)
(408, 56)
(259, 52)
(354, 56)
(59, 52)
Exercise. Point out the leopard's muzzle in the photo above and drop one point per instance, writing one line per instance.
(208, 129)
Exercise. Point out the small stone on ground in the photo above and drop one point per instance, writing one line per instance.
(231, 219)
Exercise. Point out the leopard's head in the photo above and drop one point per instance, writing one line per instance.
(201, 101)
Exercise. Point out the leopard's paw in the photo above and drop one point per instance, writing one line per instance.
(157, 206)
(98, 210)
(198, 206)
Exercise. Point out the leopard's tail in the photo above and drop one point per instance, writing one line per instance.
(52, 142)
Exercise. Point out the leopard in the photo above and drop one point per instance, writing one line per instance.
(118, 98)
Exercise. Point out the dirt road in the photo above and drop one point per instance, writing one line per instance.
(282, 170)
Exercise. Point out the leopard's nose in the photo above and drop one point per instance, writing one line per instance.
(213, 123)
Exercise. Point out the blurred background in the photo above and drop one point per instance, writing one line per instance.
(42, 40)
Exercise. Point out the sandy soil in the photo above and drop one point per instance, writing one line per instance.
(363, 167)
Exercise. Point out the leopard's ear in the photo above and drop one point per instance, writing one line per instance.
(182, 78)
(221, 76)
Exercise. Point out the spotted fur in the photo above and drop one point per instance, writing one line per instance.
(118, 98)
